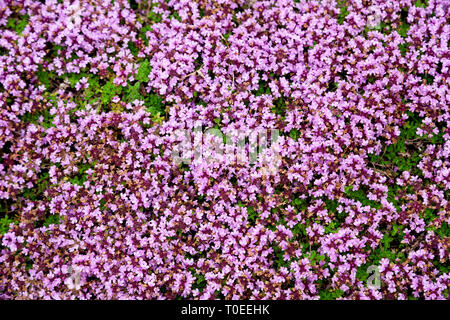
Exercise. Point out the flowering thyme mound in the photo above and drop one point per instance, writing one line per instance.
(352, 205)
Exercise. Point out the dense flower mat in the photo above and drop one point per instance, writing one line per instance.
(354, 206)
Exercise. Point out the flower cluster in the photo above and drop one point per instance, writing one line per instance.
(93, 95)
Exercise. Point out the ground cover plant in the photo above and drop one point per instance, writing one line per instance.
(352, 205)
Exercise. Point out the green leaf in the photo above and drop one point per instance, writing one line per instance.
(133, 93)
(330, 295)
(341, 16)
(109, 91)
(294, 134)
(143, 71)
(422, 3)
(45, 77)
(361, 196)
(252, 215)
(175, 15)
(18, 24)
(5, 223)
(394, 229)
(403, 47)
(403, 29)
(154, 104)
(52, 219)
(155, 17)
(132, 47)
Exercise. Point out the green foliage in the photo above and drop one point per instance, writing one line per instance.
(332, 227)
(74, 78)
(404, 48)
(104, 93)
(315, 257)
(154, 17)
(5, 223)
(299, 230)
(34, 118)
(200, 282)
(332, 86)
(392, 193)
(133, 48)
(175, 15)
(109, 91)
(361, 273)
(443, 231)
(343, 14)
(403, 29)
(18, 24)
(45, 77)
(398, 154)
(28, 263)
(429, 215)
(252, 215)
(93, 89)
(429, 79)
(278, 260)
(133, 4)
(143, 71)
(387, 239)
(389, 248)
(143, 32)
(262, 89)
(331, 205)
(301, 204)
(102, 206)
(294, 134)
(395, 229)
(81, 177)
(41, 185)
(154, 104)
(225, 38)
(330, 294)
(422, 3)
(279, 106)
(52, 219)
(132, 93)
(371, 79)
(47, 118)
(361, 196)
